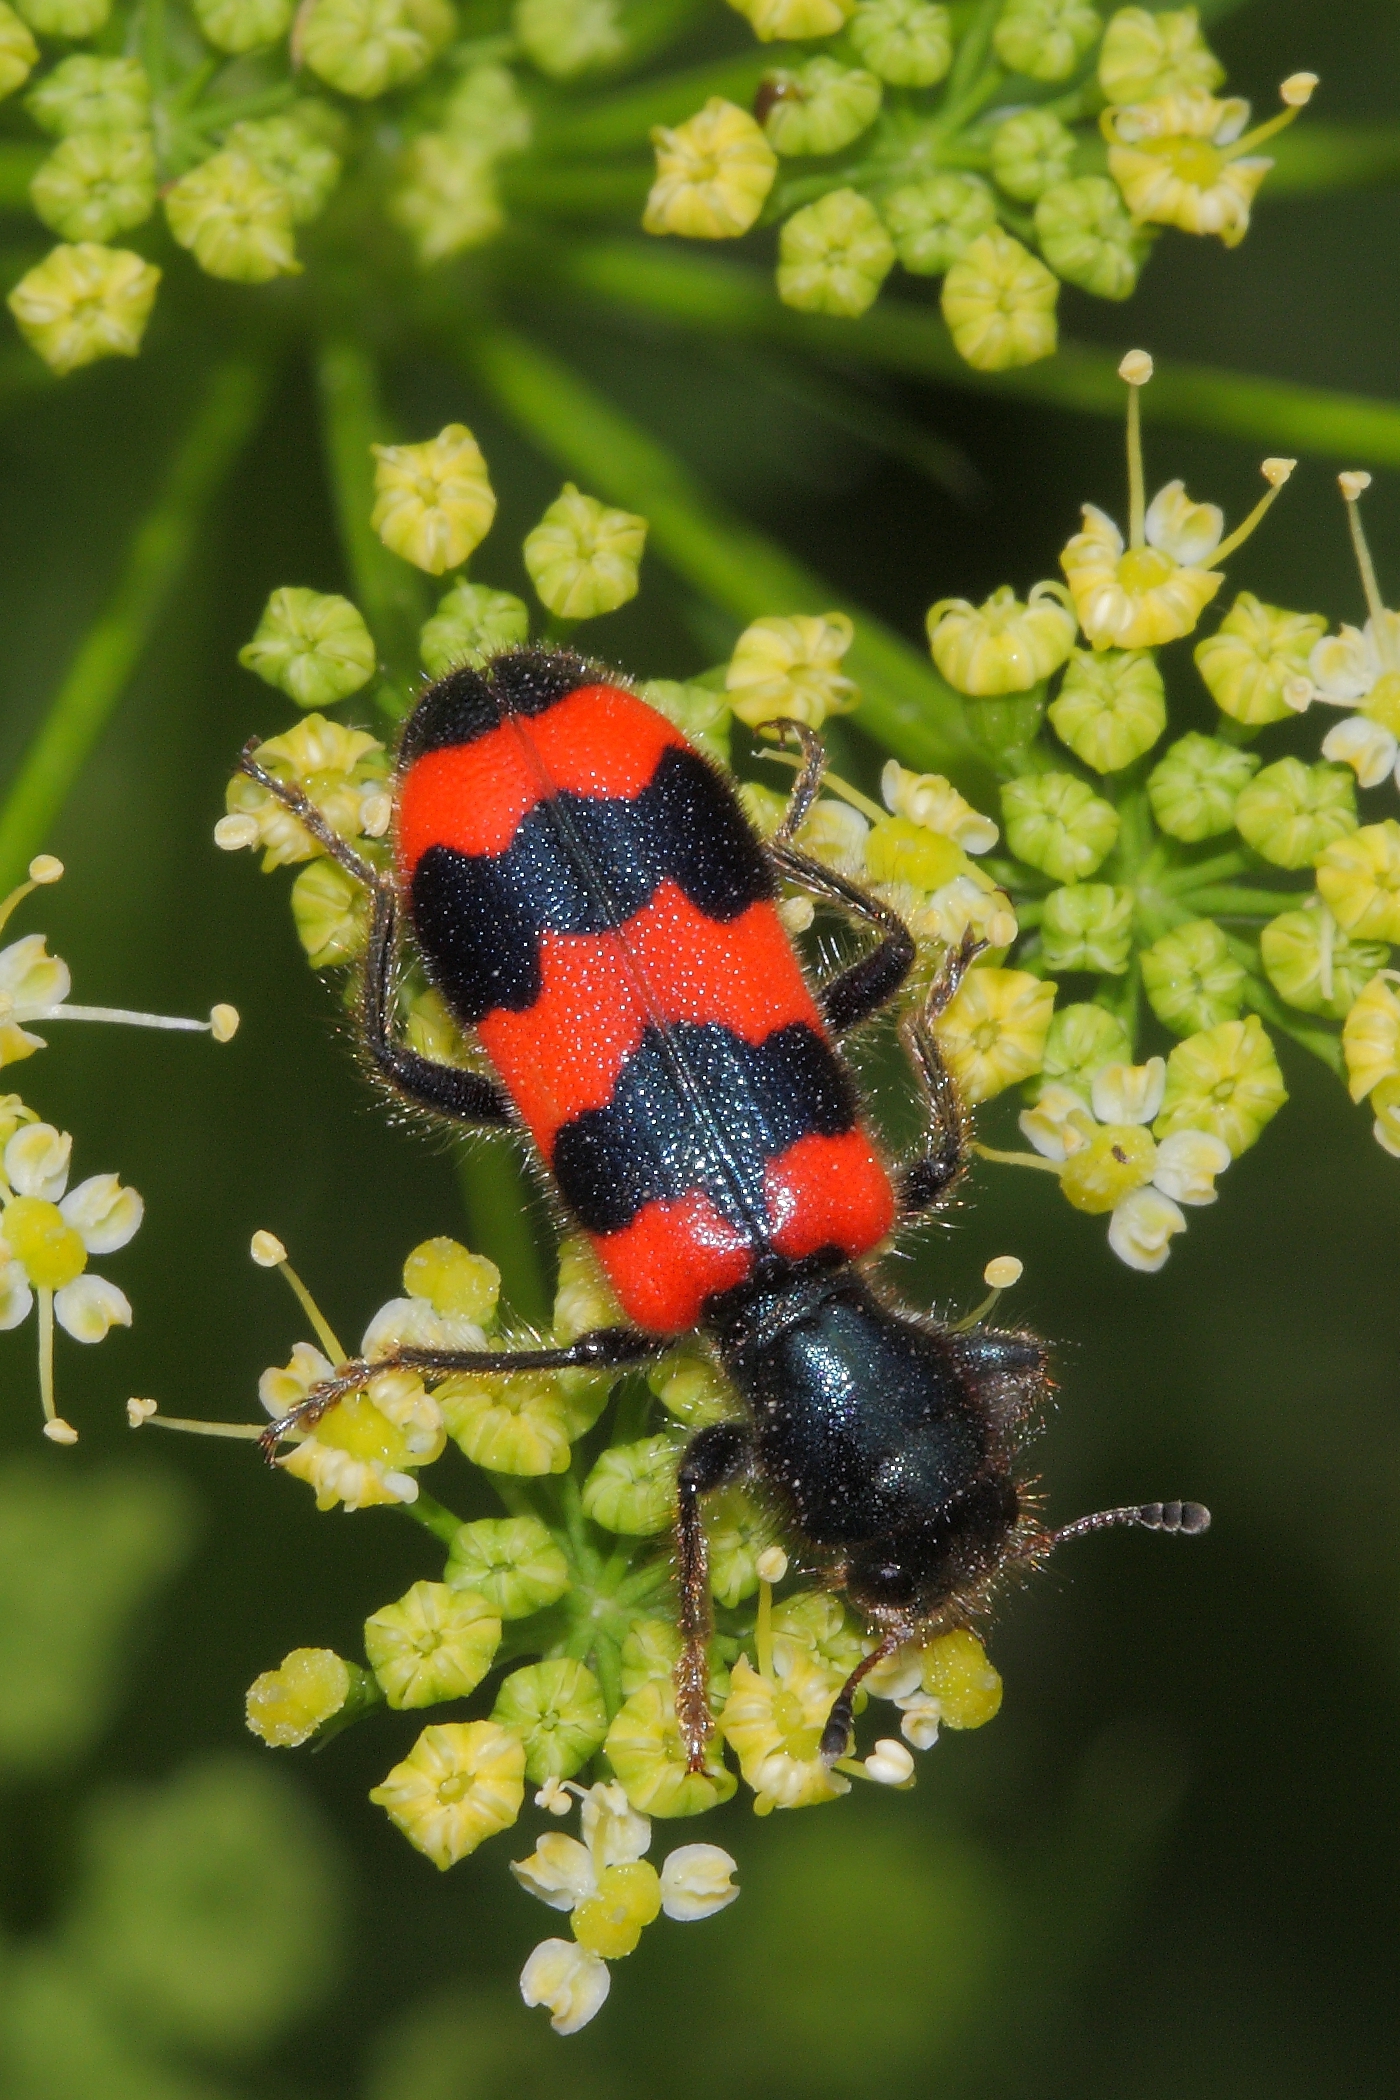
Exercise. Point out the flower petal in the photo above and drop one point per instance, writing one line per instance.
(559, 1871)
(89, 1307)
(569, 1980)
(1141, 1226)
(1129, 1093)
(1189, 532)
(31, 978)
(36, 1161)
(103, 1213)
(15, 1295)
(696, 1882)
(1187, 1164)
(1363, 745)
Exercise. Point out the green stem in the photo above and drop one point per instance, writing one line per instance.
(434, 1517)
(625, 119)
(217, 116)
(113, 645)
(390, 592)
(1229, 902)
(906, 705)
(1202, 873)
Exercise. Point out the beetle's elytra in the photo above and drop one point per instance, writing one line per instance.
(588, 897)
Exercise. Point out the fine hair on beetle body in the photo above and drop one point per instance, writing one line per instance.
(586, 895)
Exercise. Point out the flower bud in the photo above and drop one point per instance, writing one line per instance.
(294, 153)
(773, 21)
(957, 1674)
(461, 1783)
(433, 503)
(1371, 1037)
(85, 302)
(366, 47)
(632, 1487)
(738, 1532)
(834, 255)
(237, 224)
(567, 37)
(933, 803)
(19, 54)
(691, 1389)
(700, 713)
(1088, 238)
(583, 557)
(1195, 785)
(1191, 979)
(1290, 812)
(510, 1561)
(818, 1622)
(330, 911)
(1001, 646)
(243, 25)
(1145, 54)
(1055, 822)
(487, 110)
(908, 43)
(435, 1644)
(791, 667)
(517, 1424)
(91, 94)
(820, 107)
(1359, 878)
(1316, 967)
(934, 222)
(95, 184)
(313, 647)
(1045, 39)
(471, 625)
(992, 1032)
(713, 174)
(288, 1705)
(999, 303)
(1111, 707)
(1224, 1080)
(1030, 153)
(1082, 1040)
(556, 1708)
(645, 1750)
(1088, 926)
(447, 200)
(71, 19)
(1252, 657)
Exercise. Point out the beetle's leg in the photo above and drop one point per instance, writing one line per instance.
(836, 1735)
(713, 1458)
(603, 1348)
(872, 981)
(467, 1097)
(926, 1181)
(807, 786)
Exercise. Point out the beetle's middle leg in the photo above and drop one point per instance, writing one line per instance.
(714, 1458)
(927, 1180)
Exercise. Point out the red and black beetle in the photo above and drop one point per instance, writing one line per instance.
(587, 896)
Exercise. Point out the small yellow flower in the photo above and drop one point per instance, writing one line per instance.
(583, 557)
(1179, 160)
(1191, 979)
(1360, 668)
(85, 302)
(366, 47)
(461, 1782)
(435, 1644)
(1002, 646)
(774, 1725)
(314, 647)
(819, 107)
(783, 20)
(565, 37)
(934, 804)
(1046, 39)
(1140, 597)
(691, 1389)
(632, 1487)
(360, 1453)
(909, 43)
(287, 1705)
(956, 1672)
(1031, 153)
(433, 503)
(1312, 964)
(556, 1708)
(993, 1030)
(645, 1749)
(1145, 53)
(95, 184)
(1116, 1160)
(935, 221)
(1088, 926)
(510, 1561)
(834, 255)
(1371, 1037)
(1256, 653)
(1111, 707)
(1082, 1040)
(19, 54)
(999, 303)
(1290, 812)
(517, 1424)
(610, 1922)
(472, 624)
(1359, 878)
(236, 223)
(818, 1622)
(791, 667)
(236, 26)
(570, 1981)
(713, 174)
(1084, 231)
(1224, 1080)
(1195, 785)
(48, 1235)
(447, 199)
(342, 771)
(1056, 823)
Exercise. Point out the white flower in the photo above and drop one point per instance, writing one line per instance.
(1358, 668)
(1140, 597)
(570, 1981)
(696, 1881)
(32, 983)
(359, 1453)
(48, 1235)
(930, 800)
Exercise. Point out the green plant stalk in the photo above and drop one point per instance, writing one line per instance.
(906, 706)
(113, 645)
(734, 299)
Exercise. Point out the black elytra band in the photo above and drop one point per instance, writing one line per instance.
(468, 704)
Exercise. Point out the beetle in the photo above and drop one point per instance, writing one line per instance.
(588, 897)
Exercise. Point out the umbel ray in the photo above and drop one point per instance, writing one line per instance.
(587, 896)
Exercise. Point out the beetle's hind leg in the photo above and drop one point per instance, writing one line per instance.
(714, 1458)
(926, 1181)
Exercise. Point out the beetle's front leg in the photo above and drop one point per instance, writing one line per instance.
(713, 1458)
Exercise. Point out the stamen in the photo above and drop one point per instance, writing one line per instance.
(1296, 93)
(1276, 473)
(763, 1630)
(1324, 954)
(1352, 486)
(1016, 1159)
(269, 1253)
(1136, 370)
(143, 1413)
(838, 786)
(1001, 1273)
(128, 1018)
(51, 1414)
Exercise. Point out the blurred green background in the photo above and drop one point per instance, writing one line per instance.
(1170, 1865)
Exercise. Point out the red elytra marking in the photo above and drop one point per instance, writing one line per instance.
(828, 1192)
(670, 1259)
(599, 741)
(669, 963)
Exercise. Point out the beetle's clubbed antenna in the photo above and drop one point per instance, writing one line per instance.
(1188, 1518)
(836, 1735)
